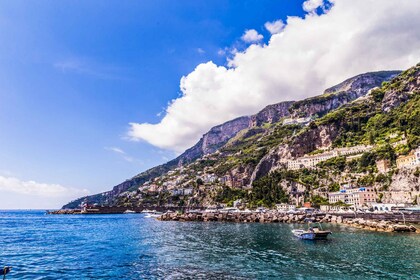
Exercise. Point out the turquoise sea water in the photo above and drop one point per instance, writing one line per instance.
(130, 246)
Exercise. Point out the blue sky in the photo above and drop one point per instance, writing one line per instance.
(94, 92)
(74, 74)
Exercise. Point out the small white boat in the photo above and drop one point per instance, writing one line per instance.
(303, 234)
(312, 233)
(129, 212)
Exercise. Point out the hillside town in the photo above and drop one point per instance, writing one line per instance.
(185, 186)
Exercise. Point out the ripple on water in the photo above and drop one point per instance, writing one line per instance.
(131, 247)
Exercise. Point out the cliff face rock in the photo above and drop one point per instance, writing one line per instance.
(219, 135)
(340, 94)
(215, 138)
(362, 83)
(306, 142)
(402, 89)
(314, 138)
(271, 114)
(405, 180)
(266, 164)
(404, 188)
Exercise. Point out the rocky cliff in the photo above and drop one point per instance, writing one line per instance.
(271, 114)
(340, 94)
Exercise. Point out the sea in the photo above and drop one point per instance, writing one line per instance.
(132, 246)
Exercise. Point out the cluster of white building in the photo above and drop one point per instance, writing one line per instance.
(209, 178)
(302, 121)
(180, 192)
(311, 161)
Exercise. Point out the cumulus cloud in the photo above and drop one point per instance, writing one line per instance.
(15, 185)
(19, 194)
(251, 36)
(275, 26)
(310, 54)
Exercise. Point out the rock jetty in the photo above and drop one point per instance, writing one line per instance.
(278, 217)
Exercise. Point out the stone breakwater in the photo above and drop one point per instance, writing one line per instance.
(277, 217)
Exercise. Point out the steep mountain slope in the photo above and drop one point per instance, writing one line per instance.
(388, 119)
(254, 137)
(351, 124)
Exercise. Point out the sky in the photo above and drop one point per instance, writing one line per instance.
(94, 92)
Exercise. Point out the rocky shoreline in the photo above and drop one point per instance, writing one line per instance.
(278, 217)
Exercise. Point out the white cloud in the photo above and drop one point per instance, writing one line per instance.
(88, 67)
(201, 51)
(275, 26)
(311, 53)
(31, 194)
(115, 150)
(121, 152)
(15, 185)
(310, 6)
(221, 52)
(251, 36)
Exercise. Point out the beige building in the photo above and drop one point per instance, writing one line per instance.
(406, 161)
(309, 161)
(356, 197)
(411, 160)
(353, 150)
(313, 160)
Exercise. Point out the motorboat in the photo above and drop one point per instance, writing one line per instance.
(314, 232)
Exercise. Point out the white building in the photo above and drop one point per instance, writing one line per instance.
(176, 192)
(188, 191)
(353, 150)
(289, 121)
(311, 161)
(284, 207)
(385, 206)
(209, 178)
(356, 197)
